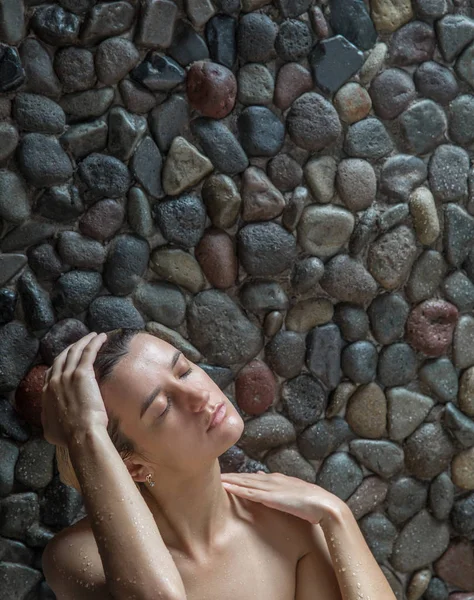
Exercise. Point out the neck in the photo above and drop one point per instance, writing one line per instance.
(191, 511)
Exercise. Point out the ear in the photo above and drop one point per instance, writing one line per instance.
(137, 470)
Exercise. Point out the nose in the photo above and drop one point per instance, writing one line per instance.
(197, 398)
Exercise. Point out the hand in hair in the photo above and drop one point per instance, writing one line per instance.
(71, 399)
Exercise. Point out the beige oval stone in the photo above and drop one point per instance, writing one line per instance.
(178, 267)
(339, 398)
(320, 175)
(323, 230)
(418, 584)
(367, 411)
(273, 323)
(425, 216)
(462, 469)
(389, 15)
(222, 200)
(309, 313)
(352, 102)
(185, 166)
(466, 392)
(373, 64)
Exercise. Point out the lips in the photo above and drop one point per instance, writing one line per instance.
(218, 406)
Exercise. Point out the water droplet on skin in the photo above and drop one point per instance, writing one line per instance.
(343, 568)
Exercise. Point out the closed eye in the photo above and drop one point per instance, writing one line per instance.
(168, 405)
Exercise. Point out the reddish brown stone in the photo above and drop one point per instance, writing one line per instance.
(255, 388)
(215, 253)
(28, 395)
(211, 89)
(430, 326)
(102, 220)
(456, 566)
(319, 23)
(292, 81)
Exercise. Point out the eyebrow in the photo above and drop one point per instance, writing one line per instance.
(149, 399)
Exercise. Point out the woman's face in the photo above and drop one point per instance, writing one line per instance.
(164, 403)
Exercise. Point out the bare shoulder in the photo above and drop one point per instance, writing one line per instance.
(72, 565)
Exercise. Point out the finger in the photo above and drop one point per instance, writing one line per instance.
(74, 354)
(89, 354)
(244, 492)
(248, 482)
(60, 360)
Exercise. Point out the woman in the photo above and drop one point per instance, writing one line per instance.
(128, 407)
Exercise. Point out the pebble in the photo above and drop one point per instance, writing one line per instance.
(114, 58)
(20, 349)
(382, 457)
(79, 251)
(156, 25)
(441, 496)
(136, 99)
(261, 200)
(255, 388)
(60, 203)
(428, 451)
(146, 165)
(462, 342)
(18, 513)
(7, 471)
(313, 122)
(458, 233)
(175, 339)
(61, 505)
(168, 120)
(10, 138)
(45, 262)
(441, 378)
(102, 220)
(356, 183)
(373, 63)
(14, 205)
(294, 209)
(293, 8)
(85, 138)
(221, 39)
(364, 231)
(321, 439)
(466, 398)
(413, 43)
(429, 10)
(265, 248)
(323, 358)
(42, 160)
(179, 267)
(460, 425)
(389, 15)
(74, 291)
(232, 459)
(10, 424)
(256, 37)
(272, 323)
(463, 65)
(59, 337)
(211, 89)
(255, 84)
(37, 307)
(352, 20)
(347, 280)
(38, 69)
(8, 300)
(107, 19)
(75, 68)
(199, 11)
(285, 353)
(339, 397)
(423, 126)
(370, 494)
(454, 33)
(55, 26)
(284, 172)
(459, 290)
(400, 175)
(216, 256)
(261, 132)
(124, 132)
(158, 73)
(261, 297)
(426, 275)
(359, 362)
(290, 462)
(161, 301)
(139, 212)
(10, 265)
(188, 46)
(406, 411)
(12, 27)
(334, 61)
(352, 102)
(324, 230)
(391, 92)
(461, 123)
(110, 312)
(34, 468)
(320, 174)
(293, 41)
(425, 216)
(309, 313)
(388, 314)
(292, 81)
(26, 234)
(126, 263)
(379, 533)
(329, 479)
(266, 431)
(85, 105)
(306, 274)
(38, 113)
(185, 166)
(181, 220)
(397, 364)
(352, 320)
(12, 74)
(448, 172)
(437, 590)
(455, 566)
(318, 22)
(368, 139)
(436, 81)
(222, 200)
(391, 257)
(366, 411)
(18, 577)
(104, 175)
(214, 135)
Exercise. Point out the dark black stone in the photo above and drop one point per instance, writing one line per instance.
(111, 312)
(256, 37)
(45, 262)
(60, 505)
(107, 19)
(351, 19)
(423, 125)
(397, 364)
(293, 8)
(60, 336)
(265, 248)
(455, 32)
(8, 299)
(232, 460)
(11, 423)
(261, 131)
(40, 75)
(285, 353)
(188, 46)
(436, 81)
(324, 437)
(158, 73)
(391, 92)
(60, 203)
(42, 160)
(55, 26)
(104, 175)
(181, 220)
(220, 145)
(77, 6)
(18, 581)
(19, 349)
(294, 40)
(359, 361)
(15, 552)
(462, 516)
(126, 263)
(262, 297)
(437, 589)
(33, 112)
(352, 320)
(17, 513)
(74, 291)
(168, 120)
(413, 43)
(12, 74)
(146, 166)
(304, 400)
(388, 314)
(323, 356)
(221, 39)
(333, 62)
(37, 307)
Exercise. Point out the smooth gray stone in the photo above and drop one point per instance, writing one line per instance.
(381, 457)
(441, 496)
(34, 468)
(263, 296)
(40, 75)
(323, 357)
(388, 314)
(380, 534)
(428, 451)
(19, 349)
(330, 479)
(10, 264)
(17, 513)
(406, 496)
(352, 320)
(126, 263)
(161, 301)
(85, 138)
(359, 361)
(168, 120)
(460, 425)
(146, 165)
(17, 581)
(9, 453)
(111, 312)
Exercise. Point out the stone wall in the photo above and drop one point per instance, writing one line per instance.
(282, 190)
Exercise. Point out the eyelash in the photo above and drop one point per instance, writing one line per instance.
(168, 405)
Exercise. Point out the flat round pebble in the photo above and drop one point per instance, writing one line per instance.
(261, 131)
(400, 175)
(391, 92)
(436, 81)
(323, 230)
(265, 248)
(397, 364)
(368, 139)
(294, 40)
(356, 183)
(75, 68)
(366, 411)
(256, 37)
(255, 388)
(255, 84)
(352, 102)
(211, 89)
(423, 125)
(285, 353)
(312, 122)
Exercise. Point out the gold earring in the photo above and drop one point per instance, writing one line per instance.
(150, 481)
